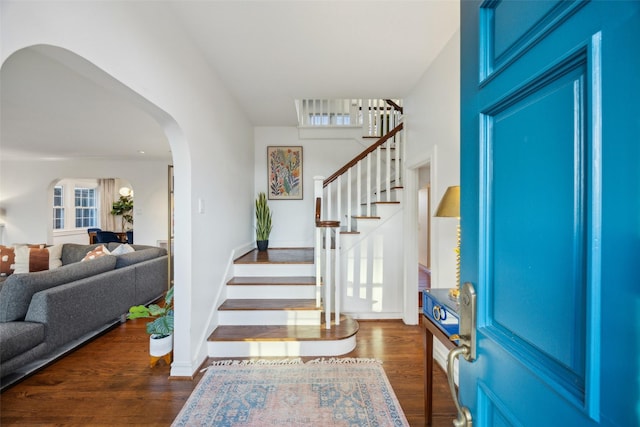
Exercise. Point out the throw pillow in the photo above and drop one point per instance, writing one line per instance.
(29, 259)
(7, 260)
(96, 253)
(123, 249)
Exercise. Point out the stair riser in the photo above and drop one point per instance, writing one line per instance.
(273, 270)
(269, 317)
(385, 210)
(280, 348)
(271, 292)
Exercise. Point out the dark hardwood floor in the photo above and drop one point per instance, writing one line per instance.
(108, 382)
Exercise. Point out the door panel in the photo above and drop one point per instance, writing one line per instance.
(542, 96)
(527, 210)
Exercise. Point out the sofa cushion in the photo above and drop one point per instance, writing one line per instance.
(18, 337)
(138, 256)
(96, 253)
(29, 259)
(18, 289)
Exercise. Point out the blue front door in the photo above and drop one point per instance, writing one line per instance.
(550, 181)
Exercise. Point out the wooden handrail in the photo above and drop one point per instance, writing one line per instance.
(361, 156)
(394, 105)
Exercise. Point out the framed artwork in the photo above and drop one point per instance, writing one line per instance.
(284, 167)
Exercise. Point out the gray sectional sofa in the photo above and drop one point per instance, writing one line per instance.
(45, 314)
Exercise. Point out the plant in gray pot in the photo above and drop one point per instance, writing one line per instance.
(263, 222)
(160, 330)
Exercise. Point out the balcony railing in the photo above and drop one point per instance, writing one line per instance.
(375, 116)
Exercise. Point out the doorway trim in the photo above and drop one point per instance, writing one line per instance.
(411, 309)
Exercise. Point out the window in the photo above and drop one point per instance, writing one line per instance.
(86, 207)
(58, 207)
(333, 119)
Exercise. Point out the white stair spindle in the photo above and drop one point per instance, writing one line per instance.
(399, 153)
(349, 200)
(385, 124)
(339, 198)
(368, 187)
(388, 171)
(338, 278)
(378, 169)
(359, 188)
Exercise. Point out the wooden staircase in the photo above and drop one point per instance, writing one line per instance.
(271, 310)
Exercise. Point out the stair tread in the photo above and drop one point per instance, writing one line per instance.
(277, 256)
(347, 328)
(269, 304)
(268, 280)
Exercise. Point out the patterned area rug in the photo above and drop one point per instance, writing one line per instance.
(333, 392)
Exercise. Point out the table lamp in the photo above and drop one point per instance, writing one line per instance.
(449, 207)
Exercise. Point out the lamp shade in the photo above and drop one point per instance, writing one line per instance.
(449, 206)
(125, 191)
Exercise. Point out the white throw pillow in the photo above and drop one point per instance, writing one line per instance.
(125, 248)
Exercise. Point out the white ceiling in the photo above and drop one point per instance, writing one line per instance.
(268, 53)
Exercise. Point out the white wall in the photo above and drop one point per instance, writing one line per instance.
(142, 46)
(432, 113)
(433, 132)
(293, 220)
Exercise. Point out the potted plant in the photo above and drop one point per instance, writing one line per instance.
(263, 222)
(123, 207)
(160, 330)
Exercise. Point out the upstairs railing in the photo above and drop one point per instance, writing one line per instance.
(375, 116)
(351, 192)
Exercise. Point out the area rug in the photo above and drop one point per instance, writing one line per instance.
(322, 392)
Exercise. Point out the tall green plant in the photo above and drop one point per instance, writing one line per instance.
(123, 207)
(263, 218)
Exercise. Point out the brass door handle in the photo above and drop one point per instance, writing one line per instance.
(464, 415)
(466, 347)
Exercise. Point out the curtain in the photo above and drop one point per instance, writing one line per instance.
(108, 195)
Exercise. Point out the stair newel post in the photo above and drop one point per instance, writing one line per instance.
(318, 195)
(328, 280)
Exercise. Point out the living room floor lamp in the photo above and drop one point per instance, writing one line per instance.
(449, 207)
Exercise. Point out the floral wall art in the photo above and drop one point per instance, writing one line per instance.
(285, 172)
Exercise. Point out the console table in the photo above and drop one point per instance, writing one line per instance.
(431, 330)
